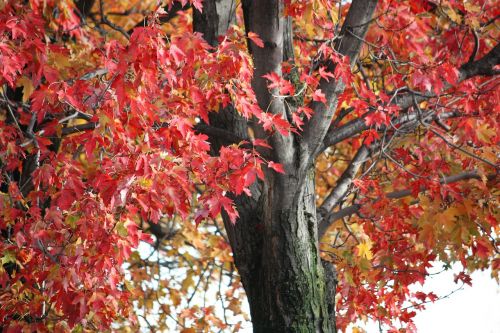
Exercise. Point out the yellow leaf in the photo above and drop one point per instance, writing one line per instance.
(364, 249)
(355, 228)
(485, 134)
(471, 7)
(27, 87)
(188, 281)
(188, 330)
(60, 61)
(453, 15)
(175, 297)
(449, 217)
(308, 18)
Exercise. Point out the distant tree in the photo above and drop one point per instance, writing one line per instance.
(320, 154)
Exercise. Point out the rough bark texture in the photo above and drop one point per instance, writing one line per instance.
(275, 240)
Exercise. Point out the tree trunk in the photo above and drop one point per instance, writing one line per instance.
(275, 240)
(287, 291)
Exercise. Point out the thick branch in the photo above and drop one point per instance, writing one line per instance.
(345, 181)
(349, 44)
(222, 134)
(226, 136)
(357, 126)
(353, 209)
(483, 66)
(265, 18)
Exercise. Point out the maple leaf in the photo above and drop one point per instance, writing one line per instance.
(101, 149)
(198, 4)
(177, 53)
(261, 143)
(465, 278)
(228, 206)
(421, 80)
(325, 74)
(450, 73)
(306, 111)
(276, 167)
(377, 118)
(297, 120)
(364, 249)
(276, 81)
(256, 39)
(318, 96)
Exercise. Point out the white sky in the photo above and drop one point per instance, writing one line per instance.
(472, 309)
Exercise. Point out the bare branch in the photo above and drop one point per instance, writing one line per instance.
(466, 152)
(345, 181)
(476, 47)
(106, 21)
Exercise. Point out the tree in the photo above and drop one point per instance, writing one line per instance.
(344, 146)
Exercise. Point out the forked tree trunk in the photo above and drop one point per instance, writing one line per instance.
(275, 240)
(275, 248)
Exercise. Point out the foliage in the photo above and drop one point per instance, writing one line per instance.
(104, 141)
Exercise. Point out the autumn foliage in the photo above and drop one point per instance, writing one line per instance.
(105, 129)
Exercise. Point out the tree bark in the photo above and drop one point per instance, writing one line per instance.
(287, 289)
(274, 242)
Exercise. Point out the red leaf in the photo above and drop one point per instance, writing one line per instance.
(305, 110)
(377, 118)
(276, 167)
(297, 120)
(256, 39)
(261, 143)
(318, 96)
(450, 73)
(198, 4)
(228, 206)
(324, 74)
(177, 53)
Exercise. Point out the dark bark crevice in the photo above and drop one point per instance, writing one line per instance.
(291, 294)
(207, 21)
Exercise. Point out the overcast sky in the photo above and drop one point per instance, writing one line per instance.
(473, 309)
